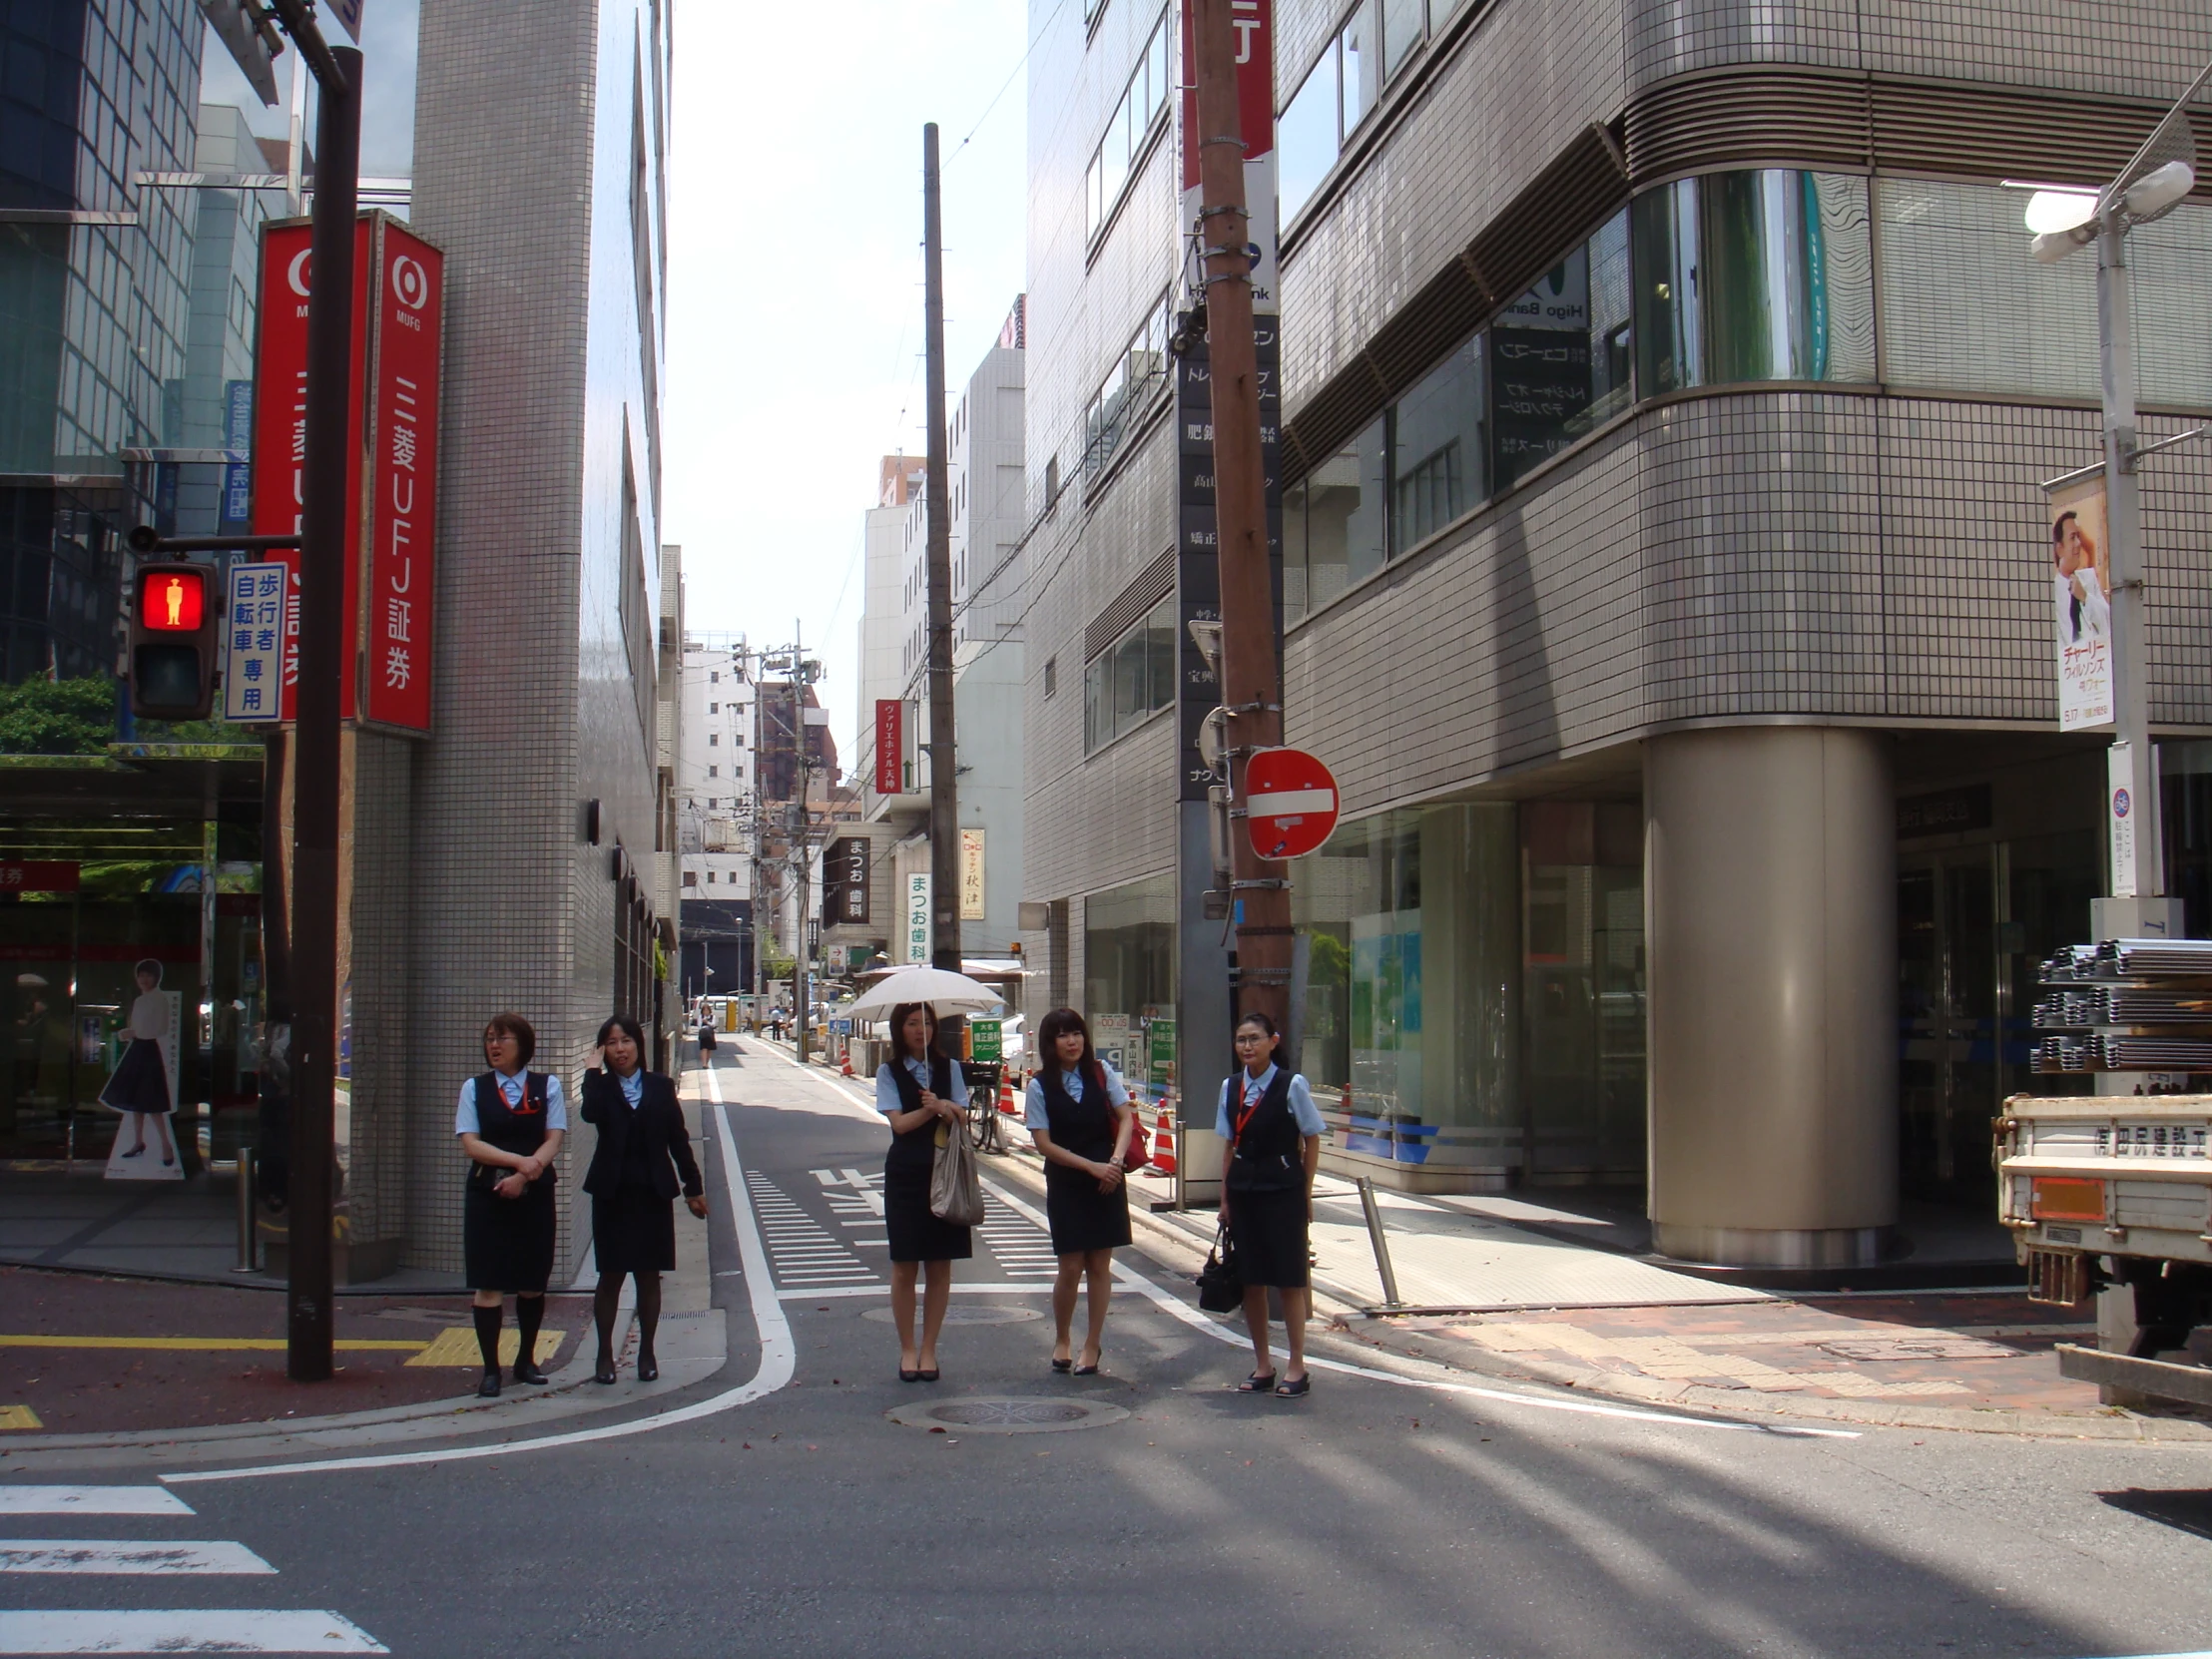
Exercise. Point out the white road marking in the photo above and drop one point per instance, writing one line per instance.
(1144, 1287)
(885, 1290)
(778, 1361)
(110, 1555)
(200, 1630)
(91, 1501)
(714, 1084)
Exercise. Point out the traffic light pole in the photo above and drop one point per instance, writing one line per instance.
(316, 752)
(1250, 683)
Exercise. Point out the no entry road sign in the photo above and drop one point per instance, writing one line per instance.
(1291, 799)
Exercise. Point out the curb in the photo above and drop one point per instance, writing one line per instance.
(2109, 1423)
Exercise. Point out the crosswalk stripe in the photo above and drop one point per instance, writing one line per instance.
(196, 1630)
(91, 1501)
(108, 1555)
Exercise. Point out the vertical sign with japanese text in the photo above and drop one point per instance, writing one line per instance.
(281, 420)
(971, 874)
(890, 745)
(403, 479)
(254, 639)
(918, 916)
(238, 438)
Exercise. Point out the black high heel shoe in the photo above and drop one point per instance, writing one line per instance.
(606, 1370)
(1062, 1365)
(648, 1369)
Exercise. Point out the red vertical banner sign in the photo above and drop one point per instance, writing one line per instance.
(890, 745)
(409, 309)
(281, 418)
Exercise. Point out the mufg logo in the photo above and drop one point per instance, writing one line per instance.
(410, 283)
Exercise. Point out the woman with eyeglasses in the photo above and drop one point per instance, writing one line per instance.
(511, 1122)
(1267, 1121)
(1079, 1114)
(643, 1160)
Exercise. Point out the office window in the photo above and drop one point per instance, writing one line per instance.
(712, 738)
(1437, 449)
(710, 879)
(713, 677)
(1138, 371)
(1131, 680)
(1143, 101)
(713, 708)
(1332, 523)
(1051, 675)
(714, 772)
(691, 878)
(1761, 274)
(1306, 137)
(1403, 23)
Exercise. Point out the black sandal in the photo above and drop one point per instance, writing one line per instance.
(1256, 1384)
(1292, 1390)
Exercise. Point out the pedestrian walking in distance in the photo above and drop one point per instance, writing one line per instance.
(1268, 1119)
(643, 1159)
(925, 1098)
(1078, 1112)
(511, 1122)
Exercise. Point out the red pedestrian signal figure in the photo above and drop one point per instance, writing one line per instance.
(173, 641)
(175, 600)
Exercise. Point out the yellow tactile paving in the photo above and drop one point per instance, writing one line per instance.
(457, 1347)
(18, 1416)
(206, 1344)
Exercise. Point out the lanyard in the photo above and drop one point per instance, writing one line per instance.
(1246, 1105)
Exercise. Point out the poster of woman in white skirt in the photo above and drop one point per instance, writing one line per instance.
(143, 1083)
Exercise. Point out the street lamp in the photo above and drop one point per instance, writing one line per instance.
(2155, 179)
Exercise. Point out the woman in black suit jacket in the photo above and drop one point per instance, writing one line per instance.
(632, 1186)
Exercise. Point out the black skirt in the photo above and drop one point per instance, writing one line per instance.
(507, 1243)
(1268, 1232)
(915, 1235)
(139, 1082)
(633, 1230)
(1083, 1218)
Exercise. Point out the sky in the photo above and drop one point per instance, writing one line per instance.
(794, 294)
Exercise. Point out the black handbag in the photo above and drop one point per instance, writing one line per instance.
(1220, 1287)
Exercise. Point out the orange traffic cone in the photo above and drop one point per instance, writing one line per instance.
(1163, 1142)
(847, 1067)
(1006, 1103)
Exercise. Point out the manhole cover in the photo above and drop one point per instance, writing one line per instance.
(1007, 1415)
(1916, 1348)
(967, 1315)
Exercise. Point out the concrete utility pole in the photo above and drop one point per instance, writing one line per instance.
(944, 783)
(799, 826)
(1259, 888)
(323, 653)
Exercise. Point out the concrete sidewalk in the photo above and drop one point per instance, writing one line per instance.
(92, 1364)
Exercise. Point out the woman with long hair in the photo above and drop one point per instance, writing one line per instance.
(511, 1122)
(924, 1096)
(643, 1160)
(1267, 1121)
(1078, 1112)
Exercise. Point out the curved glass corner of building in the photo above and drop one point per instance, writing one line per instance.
(1761, 274)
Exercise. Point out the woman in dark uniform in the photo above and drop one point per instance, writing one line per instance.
(139, 1084)
(1267, 1194)
(925, 1098)
(633, 1223)
(512, 1120)
(1079, 1114)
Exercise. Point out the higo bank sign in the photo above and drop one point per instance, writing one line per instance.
(399, 325)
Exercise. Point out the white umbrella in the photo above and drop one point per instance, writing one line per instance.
(948, 992)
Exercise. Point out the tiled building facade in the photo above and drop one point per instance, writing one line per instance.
(1666, 394)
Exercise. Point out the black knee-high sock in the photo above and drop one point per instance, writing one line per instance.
(487, 1336)
(529, 1315)
(606, 1301)
(649, 1312)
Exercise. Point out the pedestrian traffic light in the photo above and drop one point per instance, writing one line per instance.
(173, 617)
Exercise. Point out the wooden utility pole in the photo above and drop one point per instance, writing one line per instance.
(945, 783)
(1260, 888)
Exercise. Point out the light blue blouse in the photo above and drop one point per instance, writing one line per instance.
(633, 1086)
(1302, 1101)
(1032, 1098)
(465, 1121)
(887, 1088)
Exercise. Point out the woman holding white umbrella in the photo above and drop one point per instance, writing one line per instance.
(924, 1096)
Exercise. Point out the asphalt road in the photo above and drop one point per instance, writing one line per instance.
(1377, 1515)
